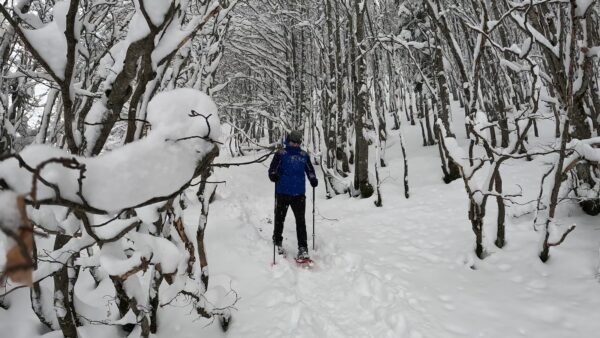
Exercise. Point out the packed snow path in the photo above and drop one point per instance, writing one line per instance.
(404, 270)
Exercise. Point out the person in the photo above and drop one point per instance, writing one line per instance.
(287, 170)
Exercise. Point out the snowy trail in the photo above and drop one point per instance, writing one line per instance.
(403, 270)
(309, 302)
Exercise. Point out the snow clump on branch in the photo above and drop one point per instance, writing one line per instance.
(184, 127)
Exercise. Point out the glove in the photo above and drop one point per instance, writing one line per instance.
(314, 182)
(273, 177)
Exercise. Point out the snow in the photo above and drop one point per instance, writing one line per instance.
(175, 34)
(138, 28)
(403, 270)
(594, 51)
(171, 112)
(114, 262)
(114, 58)
(10, 219)
(537, 36)
(9, 213)
(59, 14)
(50, 42)
(525, 48)
(117, 179)
(582, 7)
(3, 249)
(57, 258)
(157, 9)
(163, 252)
(406, 269)
(31, 19)
(93, 124)
(116, 226)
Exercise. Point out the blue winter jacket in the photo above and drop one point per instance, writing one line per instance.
(288, 168)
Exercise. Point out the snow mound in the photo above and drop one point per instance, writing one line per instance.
(9, 214)
(51, 44)
(9, 219)
(185, 123)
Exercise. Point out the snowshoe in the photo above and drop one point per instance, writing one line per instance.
(305, 263)
(303, 260)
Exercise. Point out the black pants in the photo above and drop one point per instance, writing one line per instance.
(298, 204)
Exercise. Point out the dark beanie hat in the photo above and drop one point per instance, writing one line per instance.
(295, 136)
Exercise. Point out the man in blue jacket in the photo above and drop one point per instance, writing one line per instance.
(287, 170)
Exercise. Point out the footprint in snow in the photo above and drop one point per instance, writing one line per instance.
(537, 284)
(445, 298)
(504, 267)
(517, 279)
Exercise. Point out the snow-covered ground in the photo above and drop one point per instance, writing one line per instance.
(404, 270)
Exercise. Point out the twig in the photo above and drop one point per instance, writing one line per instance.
(258, 160)
(563, 237)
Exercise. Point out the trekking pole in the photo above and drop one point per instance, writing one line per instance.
(313, 218)
(274, 214)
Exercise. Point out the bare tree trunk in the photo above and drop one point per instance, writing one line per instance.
(37, 302)
(155, 282)
(545, 251)
(476, 216)
(406, 190)
(501, 227)
(342, 137)
(361, 174)
(63, 302)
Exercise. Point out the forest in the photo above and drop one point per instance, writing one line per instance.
(458, 139)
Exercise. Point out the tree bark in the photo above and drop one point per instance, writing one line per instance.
(361, 174)
(63, 302)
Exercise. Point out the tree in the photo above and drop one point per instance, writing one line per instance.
(100, 67)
